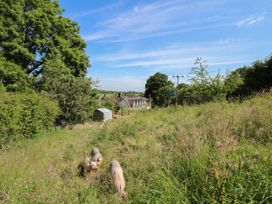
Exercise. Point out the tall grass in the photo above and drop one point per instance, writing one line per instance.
(212, 153)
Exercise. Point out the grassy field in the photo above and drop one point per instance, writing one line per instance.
(212, 153)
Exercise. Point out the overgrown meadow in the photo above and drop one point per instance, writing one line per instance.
(212, 153)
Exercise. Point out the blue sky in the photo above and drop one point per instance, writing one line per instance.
(130, 40)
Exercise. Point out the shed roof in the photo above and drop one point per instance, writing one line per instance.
(104, 110)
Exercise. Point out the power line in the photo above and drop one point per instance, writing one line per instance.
(178, 76)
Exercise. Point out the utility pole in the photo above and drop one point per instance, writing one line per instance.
(177, 76)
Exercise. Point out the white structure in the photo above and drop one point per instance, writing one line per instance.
(135, 102)
(102, 114)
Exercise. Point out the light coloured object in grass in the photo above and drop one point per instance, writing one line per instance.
(87, 164)
(93, 165)
(118, 178)
(96, 157)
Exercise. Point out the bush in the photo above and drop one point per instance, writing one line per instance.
(247, 81)
(25, 115)
(12, 77)
(75, 95)
(107, 101)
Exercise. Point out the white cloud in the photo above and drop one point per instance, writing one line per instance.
(249, 21)
(221, 52)
(95, 11)
(157, 19)
(176, 50)
(180, 63)
(96, 36)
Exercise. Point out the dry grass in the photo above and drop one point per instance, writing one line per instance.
(217, 152)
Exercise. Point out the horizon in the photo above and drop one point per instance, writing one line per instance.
(128, 41)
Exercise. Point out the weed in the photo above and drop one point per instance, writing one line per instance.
(212, 153)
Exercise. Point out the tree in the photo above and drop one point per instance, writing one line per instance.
(154, 83)
(165, 96)
(12, 77)
(234, 82)
(249, 80)
(199, 72)
(32, 32)
(38, 42)
(108, 101)
(205, 88)
(218, 89)
(258, 78)
(200, 81)
(75, 95)
(184, 94)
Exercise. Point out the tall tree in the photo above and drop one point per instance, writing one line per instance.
(234, 82)
(165, 96)
(200, 81)
(37, 40)
(12, 77)
(259, 77)
(184, 93)
(33, 31)
(75, 95)
(154, 83)
(249, 80)
(205, 88)
(199, 72)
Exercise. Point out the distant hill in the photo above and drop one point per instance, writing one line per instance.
(125, 93)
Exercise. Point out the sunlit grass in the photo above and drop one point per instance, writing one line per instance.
(212, 153)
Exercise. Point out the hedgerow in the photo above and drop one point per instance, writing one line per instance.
(24, 115)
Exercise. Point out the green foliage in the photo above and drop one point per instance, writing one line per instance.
(107, 101)
(249, 80)
(184, 94)
(198, 155)
(258, 78)
(75, 95)
(13, 77)
(200, 73)
(240, 83)
(203, 88)
(209, 182)
(33, 31)
(153, 84)
(2, 88)
(40, 48)
(218, 89)
(124, 93)
(234, 82)
(165, 96)
(209, 153)
(25, 115)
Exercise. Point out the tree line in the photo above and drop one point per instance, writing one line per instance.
(203, 88)
(43, 69)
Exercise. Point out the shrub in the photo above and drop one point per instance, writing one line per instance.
(23, 115)
(75, 95)
(12, 77)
